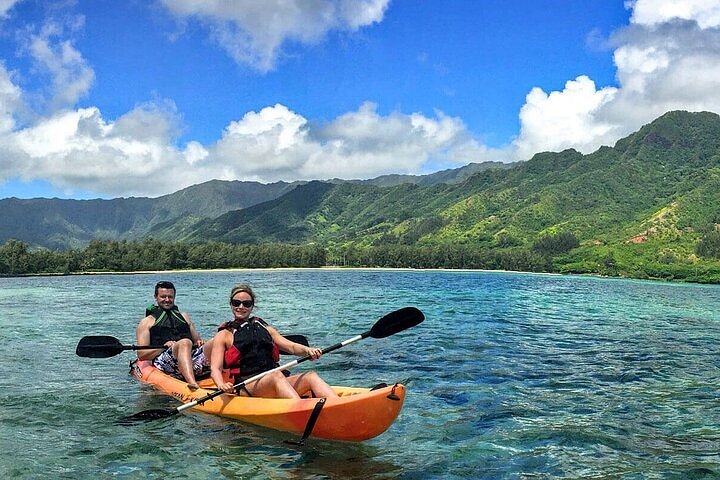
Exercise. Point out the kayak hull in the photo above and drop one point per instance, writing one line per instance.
(357, 414)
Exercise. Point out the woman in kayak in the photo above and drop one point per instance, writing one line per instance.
(248, 345)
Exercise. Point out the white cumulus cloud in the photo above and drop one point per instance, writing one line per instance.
(278, 144)
(560, 120)
(135, 154)
(10, 101)
(668, 58)
(78, 149)
(6, 6)
(655, 12)
(253, 32)
(70, 75)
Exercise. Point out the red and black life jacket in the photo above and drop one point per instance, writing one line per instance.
(169, 325)
(253, 350)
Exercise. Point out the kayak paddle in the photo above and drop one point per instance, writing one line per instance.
(104, 346)
(390, 324)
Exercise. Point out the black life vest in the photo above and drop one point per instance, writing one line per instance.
(169, 325)
(253, 350)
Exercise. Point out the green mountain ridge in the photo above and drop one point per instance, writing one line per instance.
(652, 195)
(587, 194)
(640, 208)
(60, 224)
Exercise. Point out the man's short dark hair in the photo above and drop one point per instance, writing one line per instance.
(164, 284)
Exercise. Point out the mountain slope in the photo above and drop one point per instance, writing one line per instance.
(58, 224)
(637, 207)
(279, 220)
(606, 197)
(453, 175)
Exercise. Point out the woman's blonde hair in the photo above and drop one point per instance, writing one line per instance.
(243, 287)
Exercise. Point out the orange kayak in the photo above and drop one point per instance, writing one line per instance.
(357, 414)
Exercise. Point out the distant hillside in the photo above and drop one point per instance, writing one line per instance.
(648, 207)
(279, 220)
(453, 175)
(60, 223)
(652, 195)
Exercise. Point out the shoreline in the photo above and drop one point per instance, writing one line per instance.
(338, 268)
(327, 268)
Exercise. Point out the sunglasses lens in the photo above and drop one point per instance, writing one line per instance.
(244, 303)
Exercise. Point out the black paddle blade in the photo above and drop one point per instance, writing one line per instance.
(146, 416)
(100, 346)
(301, 339)
(396, 321)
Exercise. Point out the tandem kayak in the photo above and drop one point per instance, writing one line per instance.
(357, 414)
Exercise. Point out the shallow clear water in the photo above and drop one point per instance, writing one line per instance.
(510, 376)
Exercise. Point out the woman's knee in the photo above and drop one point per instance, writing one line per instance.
(309, 381)
(275, 384)
(312, 377)
(276, 378)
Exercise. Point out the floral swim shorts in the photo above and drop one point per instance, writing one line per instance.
(169, 364)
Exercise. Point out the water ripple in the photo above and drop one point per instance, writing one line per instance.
(510, 376)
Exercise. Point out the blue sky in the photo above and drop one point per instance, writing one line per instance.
(104, 98)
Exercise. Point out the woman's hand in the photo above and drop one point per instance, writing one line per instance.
(313, 353)
(199, 342)
(226, 387)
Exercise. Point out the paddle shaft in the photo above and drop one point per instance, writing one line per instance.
(104, 346)
(260, 375)
(130, 347)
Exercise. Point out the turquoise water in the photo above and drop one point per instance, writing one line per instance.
(511, 376)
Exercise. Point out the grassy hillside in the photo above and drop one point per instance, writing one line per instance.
(59, 224)
(642, 204)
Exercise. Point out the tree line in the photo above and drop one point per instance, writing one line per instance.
(548, 253)
(17, 258)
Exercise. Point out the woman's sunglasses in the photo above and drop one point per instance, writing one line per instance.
(244, 303)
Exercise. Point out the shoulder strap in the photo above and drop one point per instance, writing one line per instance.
(260, 321)
(234, 324)
(159, 313)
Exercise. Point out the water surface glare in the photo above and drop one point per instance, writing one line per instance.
(510, 376)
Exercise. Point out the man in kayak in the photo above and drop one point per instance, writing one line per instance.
(185, 352)
(248, 345)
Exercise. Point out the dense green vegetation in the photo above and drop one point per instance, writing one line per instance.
(649, 207)
(547, 255)
(61, 224)
(124, 256)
